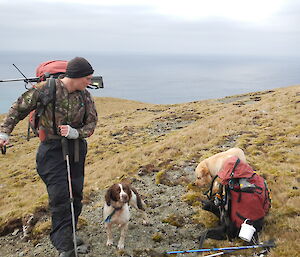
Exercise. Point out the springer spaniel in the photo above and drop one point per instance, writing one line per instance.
(116, 210)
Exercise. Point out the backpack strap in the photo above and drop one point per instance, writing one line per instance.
(83, 95)
(46, 95)
(52, 85)
(209, 192)
(230, 228)
(235, 165)
(268, 200)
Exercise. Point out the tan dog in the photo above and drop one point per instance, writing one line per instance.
(208, 168)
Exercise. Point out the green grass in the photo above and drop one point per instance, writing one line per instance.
(132, 134)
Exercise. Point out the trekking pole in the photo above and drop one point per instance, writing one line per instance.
(264, 245)
(65, 148)
(218, 254)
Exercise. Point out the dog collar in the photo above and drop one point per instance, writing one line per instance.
(108, 219)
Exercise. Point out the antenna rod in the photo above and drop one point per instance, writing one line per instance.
(23, 74)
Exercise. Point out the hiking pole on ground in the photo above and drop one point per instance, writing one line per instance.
(217, 254)
(264, 245)
(225, 252)
(65, 148)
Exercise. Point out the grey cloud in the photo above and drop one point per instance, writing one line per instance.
(47, 26)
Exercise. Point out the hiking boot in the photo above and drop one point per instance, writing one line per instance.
(79, 241)
(70, 253)
(217, 233)
(81, 246)
(83, 249)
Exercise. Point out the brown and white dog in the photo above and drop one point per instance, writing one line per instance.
(118, 198)
(208, 168)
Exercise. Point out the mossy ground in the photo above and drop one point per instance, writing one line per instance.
(130, 135)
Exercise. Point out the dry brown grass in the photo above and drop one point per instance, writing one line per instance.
(131, 134)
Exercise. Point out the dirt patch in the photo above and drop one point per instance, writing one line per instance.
(159, 236)
(171, 225)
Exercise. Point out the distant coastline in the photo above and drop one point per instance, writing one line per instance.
(162, 79)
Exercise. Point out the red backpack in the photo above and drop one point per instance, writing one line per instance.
(51, 69)
(247, 191)
(46, 71)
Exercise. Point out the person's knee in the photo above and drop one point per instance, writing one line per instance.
(61, 209)
(58, 195)
(211, 207)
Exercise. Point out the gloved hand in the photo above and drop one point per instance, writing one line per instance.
(68, 132)
(4, 139)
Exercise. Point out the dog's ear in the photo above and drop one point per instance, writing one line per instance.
(206, 173)
(108, 196)
(197, 170)
(138, 198)
(127, 189)
(199, 174)
(204, 169)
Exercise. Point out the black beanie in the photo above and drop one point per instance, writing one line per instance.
(78, 68)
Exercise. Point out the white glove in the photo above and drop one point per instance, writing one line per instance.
(4, 138)
(68, 132)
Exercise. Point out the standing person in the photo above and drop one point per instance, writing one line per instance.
(74, 117)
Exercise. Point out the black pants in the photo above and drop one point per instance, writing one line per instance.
(223, 230)
(52, 168)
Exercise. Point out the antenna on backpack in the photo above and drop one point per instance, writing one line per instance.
(26, 79)
(52, 69)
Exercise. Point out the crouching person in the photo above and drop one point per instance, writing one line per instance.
(72, 115)
(243, 197)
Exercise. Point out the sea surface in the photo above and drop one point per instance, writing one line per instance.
(161, 79)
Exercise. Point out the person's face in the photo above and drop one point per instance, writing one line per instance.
(83, 82)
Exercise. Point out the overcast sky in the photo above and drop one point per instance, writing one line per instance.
(252, 27)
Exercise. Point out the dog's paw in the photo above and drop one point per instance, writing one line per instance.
(146, 222)
(121, 245)
(109, 243)
(84, 249)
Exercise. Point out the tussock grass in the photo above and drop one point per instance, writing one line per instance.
(132, 134)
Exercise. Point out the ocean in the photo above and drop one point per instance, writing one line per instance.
(161, 79)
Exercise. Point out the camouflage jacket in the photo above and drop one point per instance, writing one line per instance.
(76, 109)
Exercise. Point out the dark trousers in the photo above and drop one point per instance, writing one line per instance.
(52, 168)
(226, 229)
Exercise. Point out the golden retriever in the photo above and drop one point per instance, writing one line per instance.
(208, 168)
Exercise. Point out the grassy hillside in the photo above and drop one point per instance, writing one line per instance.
(266, 125)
